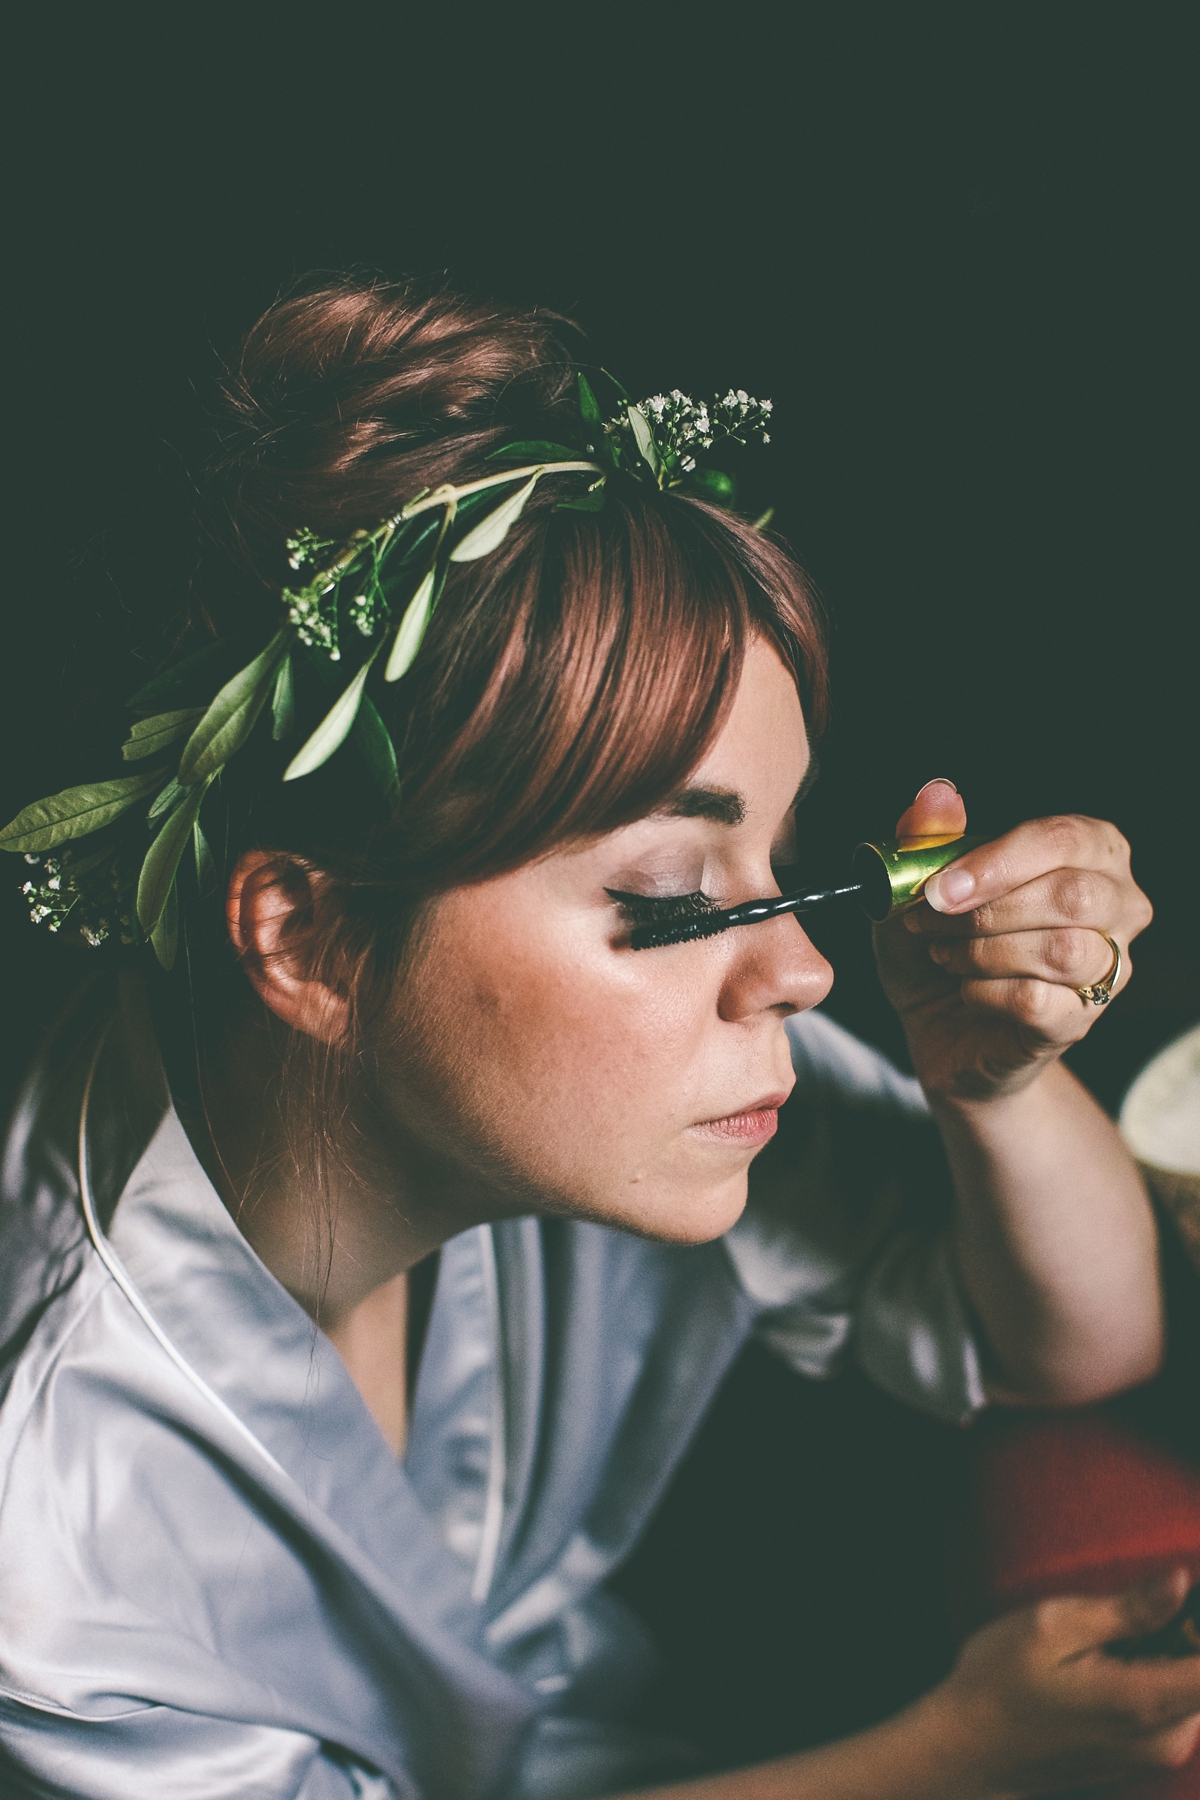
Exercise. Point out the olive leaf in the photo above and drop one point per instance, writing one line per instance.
(165, 936)
(75, 812)
(283, 700)
(644, 438)
(167, 801)
(334, 727)
(231, 718)
(430, 533)
(149, 735)
(764, 519)
(412, 629)
(592, 502)
(587, 404)
(493, 530)
(372, 738)
(162, 858)
(533, 450)
(206, 868)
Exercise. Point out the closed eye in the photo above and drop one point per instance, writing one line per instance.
(646, 909)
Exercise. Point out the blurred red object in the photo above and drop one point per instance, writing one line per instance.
(1078, 1503)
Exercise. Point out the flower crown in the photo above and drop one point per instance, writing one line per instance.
(384, 583)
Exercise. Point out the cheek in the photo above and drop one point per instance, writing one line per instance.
(576, 1044)
(575, 1071)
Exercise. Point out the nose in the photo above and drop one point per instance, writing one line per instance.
(773, 967)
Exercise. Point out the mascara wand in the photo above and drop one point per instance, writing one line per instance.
(889, 878)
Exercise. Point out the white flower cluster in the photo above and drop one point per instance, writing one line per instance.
(55, 899)
(680, 425)
(738, 414)
(367, 611)
(316, 624)
(683, 428)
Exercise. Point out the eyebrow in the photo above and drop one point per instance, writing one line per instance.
(725, 806)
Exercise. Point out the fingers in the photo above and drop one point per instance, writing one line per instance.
(1081, 1622)
(937, 810)
(1069, 956)
(1028, 853)
(1069, 898)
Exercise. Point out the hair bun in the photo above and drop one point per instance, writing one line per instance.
(348, 398)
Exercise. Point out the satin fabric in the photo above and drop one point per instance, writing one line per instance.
(216, 1583)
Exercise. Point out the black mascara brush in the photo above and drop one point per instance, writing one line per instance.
(891, 877)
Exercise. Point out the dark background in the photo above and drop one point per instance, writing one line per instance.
(954, 243)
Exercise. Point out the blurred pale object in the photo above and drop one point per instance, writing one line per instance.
(1160, 1121)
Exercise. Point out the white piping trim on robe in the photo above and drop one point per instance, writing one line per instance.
(116, 1269)
(493, 1506)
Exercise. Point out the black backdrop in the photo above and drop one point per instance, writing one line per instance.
(953, 242)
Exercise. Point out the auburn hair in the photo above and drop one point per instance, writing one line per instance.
(567, 682)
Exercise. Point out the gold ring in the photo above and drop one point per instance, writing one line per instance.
(1101, 992)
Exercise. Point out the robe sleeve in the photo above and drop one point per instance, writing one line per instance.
(844, 1244)
(151, 1752)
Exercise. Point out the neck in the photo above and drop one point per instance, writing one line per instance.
(335, 1222)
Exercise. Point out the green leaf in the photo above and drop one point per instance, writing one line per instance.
(587, 405)
(179, 677)
(167, 801)
(75, 812)
(622, 398)
(231, 718)
(492, 531)
(644, 439)
(162, 858)
(764, 519)
(412, 629)
(534, 450)
(283, 700)
(149, 735)
(333, 729)
(417, 548)
(165, 936)
(372, 738)
(206, 868)
(592, 503)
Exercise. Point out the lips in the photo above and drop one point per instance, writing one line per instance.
(754, 1125)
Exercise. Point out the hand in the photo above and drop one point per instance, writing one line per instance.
(1045, 1707)
(984, 980)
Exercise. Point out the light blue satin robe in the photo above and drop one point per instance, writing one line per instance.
(216, 1583)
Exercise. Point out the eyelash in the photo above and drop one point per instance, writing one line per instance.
(644, 909)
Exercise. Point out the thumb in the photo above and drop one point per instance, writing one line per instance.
(1086, 1622)
(937, 811)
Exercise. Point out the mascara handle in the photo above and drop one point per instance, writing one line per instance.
(893, 872)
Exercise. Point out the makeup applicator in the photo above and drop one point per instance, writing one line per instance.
(886, 878)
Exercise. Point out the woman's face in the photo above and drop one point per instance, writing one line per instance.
(545, 1059)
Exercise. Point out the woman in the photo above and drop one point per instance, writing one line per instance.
(224, 1316)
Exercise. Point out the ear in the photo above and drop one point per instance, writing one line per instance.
(269, 909)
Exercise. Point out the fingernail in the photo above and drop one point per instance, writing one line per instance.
(940, 952)
(949, 889)
(938, 781)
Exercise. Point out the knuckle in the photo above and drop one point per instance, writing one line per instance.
(1065, 832)
(1032, 1002)
(1076, 893)
(1070, 952)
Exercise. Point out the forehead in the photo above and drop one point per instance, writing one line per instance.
(760, 757)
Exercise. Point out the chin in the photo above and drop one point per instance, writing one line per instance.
(686, 1214)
